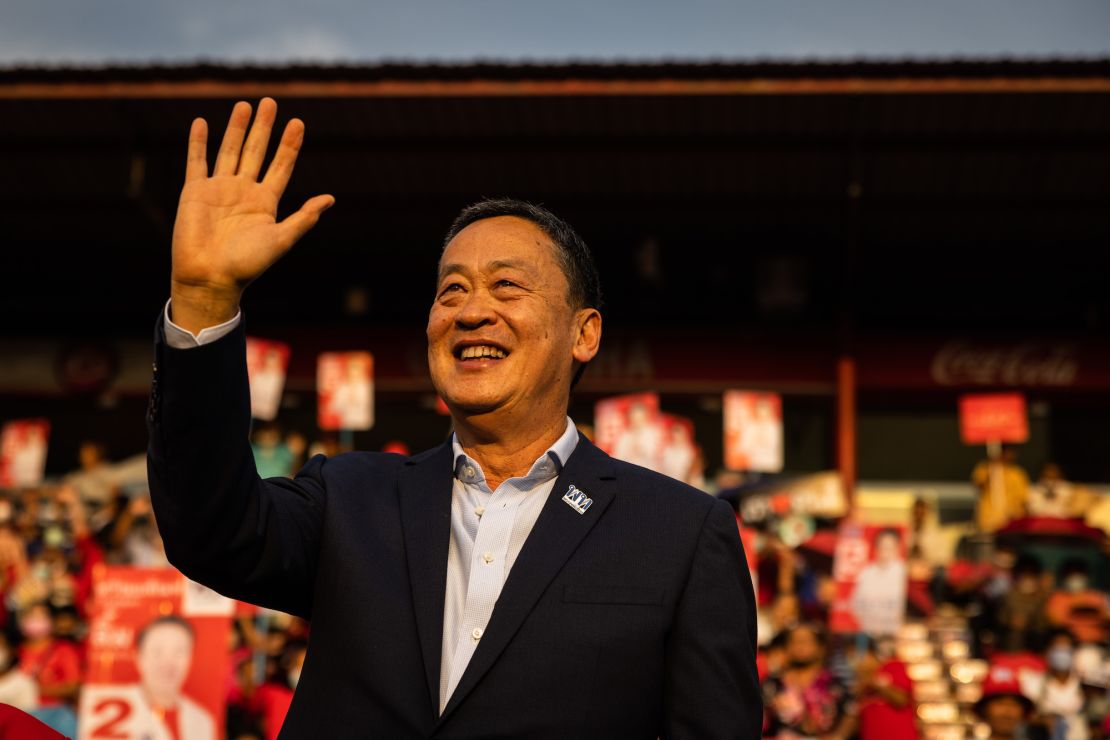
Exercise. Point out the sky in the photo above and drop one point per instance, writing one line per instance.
(94, 32)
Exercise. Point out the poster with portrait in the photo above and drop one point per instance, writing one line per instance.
(23, 445)
(679, 456)
(345, 391)
(630, 428)
(753, 431)
(267, 363)
(869, 568)
(157, 657)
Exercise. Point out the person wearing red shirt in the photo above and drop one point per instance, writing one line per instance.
(55, 665)
(886, 695)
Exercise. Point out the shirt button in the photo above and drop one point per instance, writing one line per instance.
(480, 510)
(488, 557)
(477, 633)
(469, 472)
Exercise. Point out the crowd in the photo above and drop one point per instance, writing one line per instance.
(998, 640)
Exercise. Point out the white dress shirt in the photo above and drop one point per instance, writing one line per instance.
(488, 529)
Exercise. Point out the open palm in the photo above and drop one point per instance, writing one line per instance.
(226, 233)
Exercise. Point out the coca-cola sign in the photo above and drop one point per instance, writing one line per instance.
(1025, 365)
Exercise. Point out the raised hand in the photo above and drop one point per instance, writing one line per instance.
(227, 233)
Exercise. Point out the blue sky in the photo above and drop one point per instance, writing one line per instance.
(135, 31)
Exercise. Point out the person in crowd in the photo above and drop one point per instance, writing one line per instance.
(272, 456)
(926, 550)
(1003, 490)
(1077, 606)
(885, 691)
(55, 666)
(879, 597)
(1003, 706)
(1054, 496)
(1057, 693)
(95, 480)
(1021, 616)
(272, 699)
(805, 698)
(16, 687)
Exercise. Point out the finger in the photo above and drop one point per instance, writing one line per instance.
(227, 162)
(196, 164)
(254, 152)
(297, 225)
(281, 169)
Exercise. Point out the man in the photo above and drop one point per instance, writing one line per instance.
(514, 582)
(1003, 706)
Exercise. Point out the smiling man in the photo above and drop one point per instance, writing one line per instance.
(514, 582)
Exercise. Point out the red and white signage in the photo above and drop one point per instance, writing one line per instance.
(158, 660)
(629, 428)
(23, 445)
(869, 568)
(266, 366)
(753, 431)
(345, 390)
(993, 418)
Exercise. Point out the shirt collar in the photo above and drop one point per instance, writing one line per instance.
(546, 466)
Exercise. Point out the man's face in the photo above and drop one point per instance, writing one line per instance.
(164, 658)
(502, 336)
(1004, 714)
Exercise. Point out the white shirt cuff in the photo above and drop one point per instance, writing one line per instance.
(180, 338)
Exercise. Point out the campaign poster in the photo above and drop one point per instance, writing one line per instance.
(157, 657)
(869, 568)
(23, 452)
(630, 428)
(345, 388)
(267, 363)
(753, 431)
(678, 455)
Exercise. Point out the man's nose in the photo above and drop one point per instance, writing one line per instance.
(476, 311)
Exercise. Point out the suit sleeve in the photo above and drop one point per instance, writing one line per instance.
(712, 686)
(249, 538)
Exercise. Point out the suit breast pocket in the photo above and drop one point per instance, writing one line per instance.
(616, 594)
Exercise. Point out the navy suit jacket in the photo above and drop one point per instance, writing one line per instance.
(633, 620)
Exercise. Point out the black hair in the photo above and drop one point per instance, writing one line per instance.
(158, 622)
(814, 628)
(1059, 632)
(1074, 566)
(572, 254)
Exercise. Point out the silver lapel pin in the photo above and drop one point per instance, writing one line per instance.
(577, 499)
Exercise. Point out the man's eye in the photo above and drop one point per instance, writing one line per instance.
(506, 284)
(450, 289)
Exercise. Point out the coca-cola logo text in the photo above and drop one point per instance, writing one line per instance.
(1022, 365)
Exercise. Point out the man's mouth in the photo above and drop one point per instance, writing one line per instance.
(481, 352)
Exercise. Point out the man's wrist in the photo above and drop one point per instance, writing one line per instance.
(196, 308)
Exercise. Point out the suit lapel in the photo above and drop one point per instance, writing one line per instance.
(424, 486)
(554, 538)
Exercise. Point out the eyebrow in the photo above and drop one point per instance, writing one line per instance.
(495, 265)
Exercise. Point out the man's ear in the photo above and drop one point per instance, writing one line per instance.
(588, 341)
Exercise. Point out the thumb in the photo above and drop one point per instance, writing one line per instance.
(297, 224)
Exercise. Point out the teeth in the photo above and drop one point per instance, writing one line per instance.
(481, 352)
